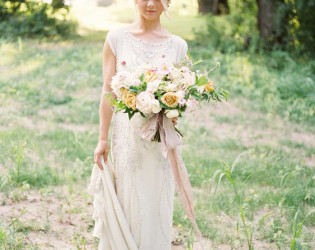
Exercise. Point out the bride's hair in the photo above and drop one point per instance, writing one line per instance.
(166, 4)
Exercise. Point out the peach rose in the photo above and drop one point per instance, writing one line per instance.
(129, 98)
(170, 99)
(123, 90)
(149, 76)
(209, 86)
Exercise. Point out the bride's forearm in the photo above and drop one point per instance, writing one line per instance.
(105, 114)
(106, 109)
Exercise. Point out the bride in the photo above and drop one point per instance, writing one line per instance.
(134, 191)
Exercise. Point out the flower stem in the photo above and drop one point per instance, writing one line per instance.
(157, 136)
(178, 131)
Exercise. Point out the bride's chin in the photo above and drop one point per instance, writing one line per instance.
(151, 17)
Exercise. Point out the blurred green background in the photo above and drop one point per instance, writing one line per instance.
(50, 85)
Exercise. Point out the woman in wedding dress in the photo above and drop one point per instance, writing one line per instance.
(137, 213)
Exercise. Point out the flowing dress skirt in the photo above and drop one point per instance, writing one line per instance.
(142, 196)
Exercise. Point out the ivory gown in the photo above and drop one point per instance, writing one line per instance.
(142, 217)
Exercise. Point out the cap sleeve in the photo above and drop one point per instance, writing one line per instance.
(111, 38)
(182, 49)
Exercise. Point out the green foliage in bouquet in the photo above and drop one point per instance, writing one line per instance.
(120, 106)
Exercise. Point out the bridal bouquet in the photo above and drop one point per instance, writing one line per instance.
(166, 88)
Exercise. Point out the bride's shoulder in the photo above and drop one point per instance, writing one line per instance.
(180, 42)
(113, 38)
(181, 45)
(114, 32)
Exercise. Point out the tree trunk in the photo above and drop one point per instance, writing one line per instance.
(208, 6)
(223, 7)
(216, 7)
(266, 9)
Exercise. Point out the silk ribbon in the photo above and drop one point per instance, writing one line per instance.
(171, 142)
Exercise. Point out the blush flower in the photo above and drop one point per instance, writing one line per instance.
(144, 102)
(191, 105)
(171, 113)
(156, 107)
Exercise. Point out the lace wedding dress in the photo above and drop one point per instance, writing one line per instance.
(138, 213)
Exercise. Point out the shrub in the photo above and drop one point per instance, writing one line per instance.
(29, 18)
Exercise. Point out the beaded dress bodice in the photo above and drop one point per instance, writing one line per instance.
(134, 51)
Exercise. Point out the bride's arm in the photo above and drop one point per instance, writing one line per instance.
(105, 109)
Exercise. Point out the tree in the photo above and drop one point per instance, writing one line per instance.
(30, 18)
(266, 18)
(223, 7)
(287, 24)
(216, 7)
(303, 12)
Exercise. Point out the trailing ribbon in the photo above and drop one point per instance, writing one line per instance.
(171, 142)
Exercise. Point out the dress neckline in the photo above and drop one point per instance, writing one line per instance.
(146, 42)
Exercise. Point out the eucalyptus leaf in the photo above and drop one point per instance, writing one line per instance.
(202, 81)
(141, 77)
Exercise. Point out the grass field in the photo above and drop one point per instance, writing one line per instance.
(49, 128)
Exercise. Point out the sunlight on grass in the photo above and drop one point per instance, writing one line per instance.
(8, 52)
(22, 69)
(244, 69)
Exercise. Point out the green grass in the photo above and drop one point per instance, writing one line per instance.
(57, 93)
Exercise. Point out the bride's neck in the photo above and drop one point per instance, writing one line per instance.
(146, 25)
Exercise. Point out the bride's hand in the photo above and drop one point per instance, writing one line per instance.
(102, 148)
(174, 120)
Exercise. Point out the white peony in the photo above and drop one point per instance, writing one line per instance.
(201, 89)
(185, 69)
(181, 94)
(153, 86)
(171, 87)
(135, 82)
(144, 102)
(131, 80)
(118, 92)
(118, 79)
(176, 75)
(139, 70)
(160, 74)
(171, 113)
(182, 102)
(191, 105)
(156, 107)
(189, 79)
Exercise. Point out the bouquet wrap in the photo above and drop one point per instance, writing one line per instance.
(171, 142)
